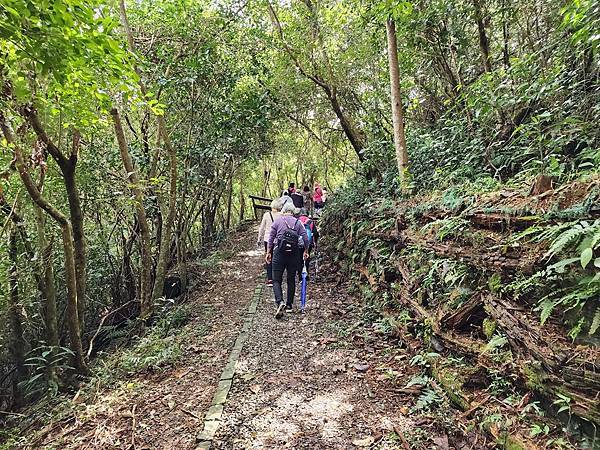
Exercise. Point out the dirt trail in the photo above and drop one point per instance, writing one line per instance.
(321, 380)
(300, 384)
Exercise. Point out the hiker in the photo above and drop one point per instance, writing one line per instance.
(291, 188)
(318, 199)
(313, 236)
(307, 199)
(298, 199)
(285, 198)
(283, 252)
(263, 233)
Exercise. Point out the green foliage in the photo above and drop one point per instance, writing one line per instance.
(41, 361)
(576, 244)
(451, 227)
(428, 399)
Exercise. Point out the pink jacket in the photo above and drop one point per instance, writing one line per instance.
(318, 195)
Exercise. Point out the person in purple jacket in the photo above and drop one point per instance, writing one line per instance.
(284, 253)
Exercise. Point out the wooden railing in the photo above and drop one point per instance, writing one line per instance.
(258, 203)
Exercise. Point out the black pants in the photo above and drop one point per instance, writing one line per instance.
(287, 262)
(269, 267)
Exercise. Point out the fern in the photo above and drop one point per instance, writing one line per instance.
(567, 239)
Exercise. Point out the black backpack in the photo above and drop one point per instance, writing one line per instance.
(289, 241)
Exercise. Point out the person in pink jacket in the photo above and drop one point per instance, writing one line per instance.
(318, 198)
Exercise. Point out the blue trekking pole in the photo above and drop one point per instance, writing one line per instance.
(303, 291)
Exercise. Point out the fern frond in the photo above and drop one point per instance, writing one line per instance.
(567, 239)
(595, 234)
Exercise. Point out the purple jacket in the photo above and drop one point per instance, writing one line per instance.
(281, 224)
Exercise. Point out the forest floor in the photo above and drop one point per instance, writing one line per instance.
(325, 379)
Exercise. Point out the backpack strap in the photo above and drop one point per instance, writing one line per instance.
(272, 220)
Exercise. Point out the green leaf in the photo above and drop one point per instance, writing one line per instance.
(547, 306)
(586, 257)
(560, 267)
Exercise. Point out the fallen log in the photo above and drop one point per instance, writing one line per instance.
(452, 387)
(469, 313)
(501, 221)
(552, 371)
(501, 263)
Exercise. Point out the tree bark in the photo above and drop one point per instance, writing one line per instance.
(146, 304)
(65, 225)
(76, 215)
(484, 43)
(17, 342)
(397, 110)
(229, 197)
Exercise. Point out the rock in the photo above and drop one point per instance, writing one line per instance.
(361, 367)
(364, 442)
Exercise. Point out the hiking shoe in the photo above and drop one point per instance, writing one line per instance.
(279, 311)
(289, 309)
(270, 283)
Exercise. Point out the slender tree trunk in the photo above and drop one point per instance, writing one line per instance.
(242, 200)
(47, 286)
(146, 303)
(350, 130)
(167, 232)
(505, 37)
(182, 256)
(397, 110)
(484, 43)
(17, 342)
(67, 167)
(229, 197)
(79, 244)
(65, 225)
(72, 309)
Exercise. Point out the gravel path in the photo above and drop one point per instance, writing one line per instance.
(301, 385)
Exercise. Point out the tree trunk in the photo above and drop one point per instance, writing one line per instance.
(79, 244)
(484, 43)
(72, 308)
(167, 231)
(146, 304)
(47, 286)
(17, 342)
(242, 200)
(350, 130)
(397, 111)
(65, 225)
(505, 37)
(229, 197)
(67, 167)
